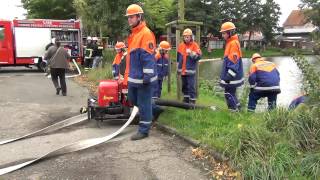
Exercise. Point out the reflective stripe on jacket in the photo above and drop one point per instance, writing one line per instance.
(264, 76)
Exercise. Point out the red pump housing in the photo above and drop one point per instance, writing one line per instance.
(108, 92)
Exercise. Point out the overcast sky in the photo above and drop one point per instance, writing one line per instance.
(9, 9)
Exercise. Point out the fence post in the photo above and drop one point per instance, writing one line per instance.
(197, 79)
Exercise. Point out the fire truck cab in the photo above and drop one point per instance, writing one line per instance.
(23, 42)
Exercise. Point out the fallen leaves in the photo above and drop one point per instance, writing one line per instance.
(219, 170)
(84, 81)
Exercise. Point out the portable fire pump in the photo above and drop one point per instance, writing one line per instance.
(112, 102)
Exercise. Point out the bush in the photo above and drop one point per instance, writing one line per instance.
(304, 131)
(310, 165)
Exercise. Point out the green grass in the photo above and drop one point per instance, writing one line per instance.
(271, 145)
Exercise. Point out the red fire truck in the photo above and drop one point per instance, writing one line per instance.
(23, 42)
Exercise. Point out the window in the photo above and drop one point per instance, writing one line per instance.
(1, 33)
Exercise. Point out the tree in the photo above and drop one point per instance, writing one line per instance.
(104, 16)
(49, 9)
(108, 16)
(157, 14)
(204, 11)
(312, 10)
(270, 15)
(252, 17)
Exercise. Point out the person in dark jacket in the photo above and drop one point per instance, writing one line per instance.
(88, 55)
(97, 52)
(46, 61)
(58, 64)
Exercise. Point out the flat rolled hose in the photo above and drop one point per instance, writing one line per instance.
(177, 104)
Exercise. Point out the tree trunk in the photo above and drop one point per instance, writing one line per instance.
(249, 40)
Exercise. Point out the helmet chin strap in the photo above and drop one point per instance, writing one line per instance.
(231, 33)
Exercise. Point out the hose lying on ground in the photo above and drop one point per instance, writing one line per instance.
(182, 105)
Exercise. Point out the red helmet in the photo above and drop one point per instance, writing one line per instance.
(165, 45)
(134, 9)
(120, 45)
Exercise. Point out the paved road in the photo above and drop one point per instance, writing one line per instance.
(28, 103)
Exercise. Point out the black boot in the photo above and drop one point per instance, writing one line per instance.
(186, 99)
(138, 136)
(58, 91)
(157, 113)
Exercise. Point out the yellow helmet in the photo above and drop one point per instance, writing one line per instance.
(187, 32)
(227, 26)
(134, 9)
(165, 45)
(255, 56)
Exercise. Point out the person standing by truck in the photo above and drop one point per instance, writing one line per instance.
(97, 52)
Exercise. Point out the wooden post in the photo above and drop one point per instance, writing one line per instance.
(171, 60)
(178, 74)
(197, 65)
(181, 10)
(178, 30)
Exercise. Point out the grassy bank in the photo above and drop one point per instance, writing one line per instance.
(270, 145)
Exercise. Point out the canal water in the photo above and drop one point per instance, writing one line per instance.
(291, 78)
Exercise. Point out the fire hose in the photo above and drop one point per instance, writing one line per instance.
(83, 117)
(77, 146)
(54, 127)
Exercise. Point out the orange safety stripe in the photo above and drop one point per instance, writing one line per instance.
(117, 58)
(233, 49)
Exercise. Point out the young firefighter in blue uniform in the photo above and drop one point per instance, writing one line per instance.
(298, 100)
(118, 60)
(162, 64)
(264, 81)
(232, 69)
(142, 75)
(188, 55)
